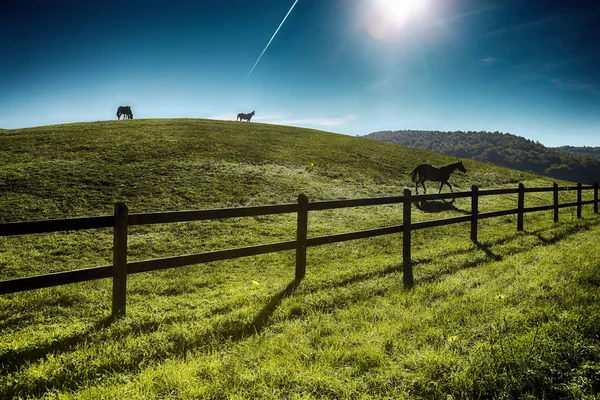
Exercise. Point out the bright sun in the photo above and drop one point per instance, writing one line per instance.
(386, 18)
(401, 10)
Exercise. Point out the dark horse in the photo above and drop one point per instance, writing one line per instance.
(426, 172)
(247, 117)
(125, 111)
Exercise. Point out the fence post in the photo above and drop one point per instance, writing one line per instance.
(555, 195)
(520, 207)
(474, 212)
(595, 197)
(119, 268)
(407, 272)
(579, 200)
(301, 236)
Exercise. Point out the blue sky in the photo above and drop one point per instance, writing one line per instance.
(350, 66)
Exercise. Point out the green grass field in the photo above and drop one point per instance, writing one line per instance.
(516, 316)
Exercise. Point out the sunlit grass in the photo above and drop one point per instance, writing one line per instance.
(513, 317)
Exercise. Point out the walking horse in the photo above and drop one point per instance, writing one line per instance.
(426, 172)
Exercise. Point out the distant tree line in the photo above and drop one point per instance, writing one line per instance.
(502, 149)
(585, 151)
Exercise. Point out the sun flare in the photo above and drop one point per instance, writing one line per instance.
(387, 18)
(400, 10)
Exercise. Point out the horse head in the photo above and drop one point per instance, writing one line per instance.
(461, 167)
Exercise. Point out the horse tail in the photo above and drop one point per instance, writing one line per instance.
(413, 175)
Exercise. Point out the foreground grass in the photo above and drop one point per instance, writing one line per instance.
(512, 317)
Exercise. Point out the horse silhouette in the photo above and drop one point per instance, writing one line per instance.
(125, 111)
(247, 117)
(426, 172)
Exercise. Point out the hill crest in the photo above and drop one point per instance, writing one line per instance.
(175, 164)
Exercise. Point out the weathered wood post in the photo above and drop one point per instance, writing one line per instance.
(520, 207)
(579, 200)
(119, 268)
(301, 236)
(595, 197)
(555, 196)
(407, 271)
(474, 212)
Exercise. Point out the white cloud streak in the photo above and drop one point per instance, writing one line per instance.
(279, 118)
(224, 117)
(268, 44)
(314, 121)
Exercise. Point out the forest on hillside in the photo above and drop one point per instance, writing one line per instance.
(585, 151)
(503, 149)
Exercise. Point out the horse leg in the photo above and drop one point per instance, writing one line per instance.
(441, 186)
(424, 188)
(450, 186)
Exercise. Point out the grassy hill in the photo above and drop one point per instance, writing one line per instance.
(154, 165)
(515, 316)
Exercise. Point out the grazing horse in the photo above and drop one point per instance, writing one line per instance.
(247, 117)
(426, 172)
(125, 111)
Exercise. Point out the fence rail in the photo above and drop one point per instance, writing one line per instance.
(121, 220)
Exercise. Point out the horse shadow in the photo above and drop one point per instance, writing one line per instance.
(438, 206)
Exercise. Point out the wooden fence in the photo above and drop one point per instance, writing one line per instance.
(121, 220)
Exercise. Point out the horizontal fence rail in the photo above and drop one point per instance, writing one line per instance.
(121, 220)
(56, 225)
(55, 279)
(205, 215)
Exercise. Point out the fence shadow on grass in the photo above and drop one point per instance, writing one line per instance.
(265, 314)
(566, 231)
(488, 252)
(12, 360)
(490, 256)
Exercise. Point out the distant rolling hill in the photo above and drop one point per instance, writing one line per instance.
(501, 149)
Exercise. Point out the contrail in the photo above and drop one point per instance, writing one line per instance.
(272, 37)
